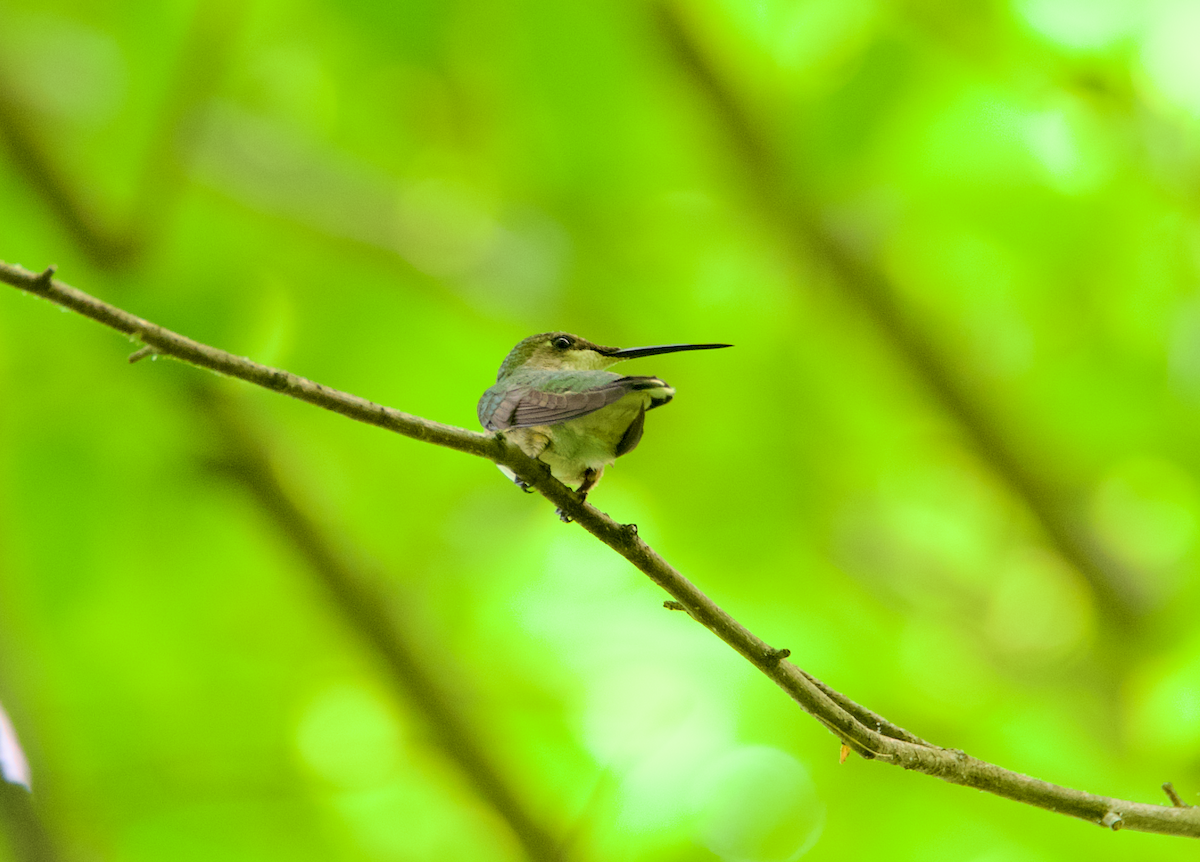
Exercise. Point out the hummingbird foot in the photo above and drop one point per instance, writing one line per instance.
(522, 484)
(563, 516)
(590, 477)
(516, 480)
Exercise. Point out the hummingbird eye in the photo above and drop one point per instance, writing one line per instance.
(562, 342)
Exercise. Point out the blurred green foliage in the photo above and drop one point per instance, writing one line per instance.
(385, 198)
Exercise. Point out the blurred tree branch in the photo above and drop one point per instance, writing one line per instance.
(798, 221)
(204, 54)
(27, 838)
(27, 151)
(20, 823)
(858, 728)
(246, 461)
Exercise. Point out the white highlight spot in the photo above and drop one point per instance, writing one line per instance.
(14, 767)
(1081, 24)
(1169, 54)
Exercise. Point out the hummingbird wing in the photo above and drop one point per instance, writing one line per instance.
(556, 398)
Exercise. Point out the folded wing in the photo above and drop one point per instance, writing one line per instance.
(528, 405)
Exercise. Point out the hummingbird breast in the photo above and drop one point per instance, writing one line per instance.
(591, 442)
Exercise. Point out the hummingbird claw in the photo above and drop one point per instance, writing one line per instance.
(563, 516)
(523, 485)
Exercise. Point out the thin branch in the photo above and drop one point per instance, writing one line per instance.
(248, 463)
(857, 727)
(167, 343)
(1119, 595)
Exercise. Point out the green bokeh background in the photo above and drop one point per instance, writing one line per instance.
(385, 198)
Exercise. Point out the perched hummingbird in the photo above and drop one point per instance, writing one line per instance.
(554, 399)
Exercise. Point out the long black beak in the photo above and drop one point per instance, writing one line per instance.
(634, 352)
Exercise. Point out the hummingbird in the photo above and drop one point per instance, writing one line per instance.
(555, 401)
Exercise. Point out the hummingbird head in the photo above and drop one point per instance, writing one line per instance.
(562, 351)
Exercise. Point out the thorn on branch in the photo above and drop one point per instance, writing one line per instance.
(45, 276)
(142, 353)
(1169, 789)
(1112, 820)
(672, 605)
(844, 754)
(630, 530)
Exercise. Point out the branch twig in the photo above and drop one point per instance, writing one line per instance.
(857, 727)
(1173, 795)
